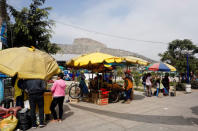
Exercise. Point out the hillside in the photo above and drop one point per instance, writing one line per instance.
(86, 45)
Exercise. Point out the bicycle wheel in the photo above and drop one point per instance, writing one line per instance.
(114, 97)
(74, 91)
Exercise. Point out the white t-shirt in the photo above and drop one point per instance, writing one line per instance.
(148, 81)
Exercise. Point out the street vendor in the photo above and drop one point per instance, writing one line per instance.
(83, 85)
(128, 86)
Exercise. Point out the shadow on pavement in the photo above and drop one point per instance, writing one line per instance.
(194, 110)
(67, 112)
(138, 97)
(155, 119)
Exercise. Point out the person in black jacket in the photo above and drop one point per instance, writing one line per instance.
(165, 82)
(36, 89)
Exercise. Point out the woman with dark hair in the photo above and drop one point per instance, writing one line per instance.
(58, 92)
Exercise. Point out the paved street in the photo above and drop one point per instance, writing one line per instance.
(178, 113)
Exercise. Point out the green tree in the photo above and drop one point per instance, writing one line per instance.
(176, 55)
(137, 77)
(32, 27)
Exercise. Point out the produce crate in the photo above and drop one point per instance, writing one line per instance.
(100, 94)
(86, 99)
(104, 94)
(94, 95)
(94, 100)
(103, 101)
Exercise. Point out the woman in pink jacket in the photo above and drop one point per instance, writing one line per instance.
(58, 92)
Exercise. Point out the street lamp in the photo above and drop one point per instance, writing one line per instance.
(188, 85)
(188, 81)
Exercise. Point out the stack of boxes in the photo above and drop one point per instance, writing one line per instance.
(101, 97)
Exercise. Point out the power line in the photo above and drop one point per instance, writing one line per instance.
(109, 35)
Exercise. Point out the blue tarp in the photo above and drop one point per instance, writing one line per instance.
(1, 89)
(3, 75)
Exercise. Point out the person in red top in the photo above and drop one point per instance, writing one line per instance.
(58, 92)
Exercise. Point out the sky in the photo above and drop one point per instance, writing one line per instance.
(123, 24)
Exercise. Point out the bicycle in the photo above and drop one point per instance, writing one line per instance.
(75, 91)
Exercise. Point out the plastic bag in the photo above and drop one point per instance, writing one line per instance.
(9, 123)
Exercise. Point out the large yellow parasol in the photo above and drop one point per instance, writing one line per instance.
(28, 63)
(93, 59)
(135, 60)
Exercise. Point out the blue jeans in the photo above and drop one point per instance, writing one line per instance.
(128, 94)
(144, 84)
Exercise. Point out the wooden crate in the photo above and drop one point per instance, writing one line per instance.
(103, 95)
(103, 101)
(73, 100)
(86, 99)
(94, 95)
(99, 95)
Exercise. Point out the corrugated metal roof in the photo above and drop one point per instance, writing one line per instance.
(64, 57)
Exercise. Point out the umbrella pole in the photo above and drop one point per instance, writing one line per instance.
(98, 84)
(115, 77)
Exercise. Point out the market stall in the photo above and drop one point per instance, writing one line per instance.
(102, 64)
(162, 67)
(97, 64)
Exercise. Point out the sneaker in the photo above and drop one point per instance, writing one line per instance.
(42, 125)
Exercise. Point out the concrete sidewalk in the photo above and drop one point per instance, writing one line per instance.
(178, 113)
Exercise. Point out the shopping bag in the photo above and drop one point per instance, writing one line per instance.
(9, 123)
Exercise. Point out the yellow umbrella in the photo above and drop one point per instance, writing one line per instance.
(28, 63)
(172, 68)
(93, 59)
(135, 60)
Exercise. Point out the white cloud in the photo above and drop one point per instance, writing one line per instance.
(153, 20)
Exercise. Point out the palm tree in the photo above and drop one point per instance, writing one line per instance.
(3, 12)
